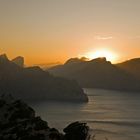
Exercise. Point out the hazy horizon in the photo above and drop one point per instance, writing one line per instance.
(52, 64)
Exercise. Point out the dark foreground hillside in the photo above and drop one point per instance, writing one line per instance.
(19, 122)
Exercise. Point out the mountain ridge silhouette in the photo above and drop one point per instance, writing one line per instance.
(32, 83)
(98, 73)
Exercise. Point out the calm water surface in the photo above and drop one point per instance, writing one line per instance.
(110, 114)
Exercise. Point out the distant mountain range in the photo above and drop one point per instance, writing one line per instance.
(33, 83)
(100, 73)
(47, 65)
(132, 66)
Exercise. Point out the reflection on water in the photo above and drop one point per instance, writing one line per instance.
(111, 114)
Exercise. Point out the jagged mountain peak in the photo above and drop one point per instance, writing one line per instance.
(74, 60)
(19, 60)
(3, 57)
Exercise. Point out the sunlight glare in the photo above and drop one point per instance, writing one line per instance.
(110, 56)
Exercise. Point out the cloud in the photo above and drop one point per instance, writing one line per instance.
(103, 37)
(135, 37)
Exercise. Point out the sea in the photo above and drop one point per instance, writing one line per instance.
(111, 115)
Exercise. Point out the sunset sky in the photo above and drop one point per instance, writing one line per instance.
(47, 31)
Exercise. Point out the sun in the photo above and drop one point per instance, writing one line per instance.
(110, 56)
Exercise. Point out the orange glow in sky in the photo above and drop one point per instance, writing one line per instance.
(110, 56)
(49, 31)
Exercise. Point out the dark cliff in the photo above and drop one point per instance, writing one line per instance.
(35, 84)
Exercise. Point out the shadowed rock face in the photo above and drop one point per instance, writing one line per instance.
(98, 73)
(35, 84)
(19, 122)
(19, 61)
(73, 131)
